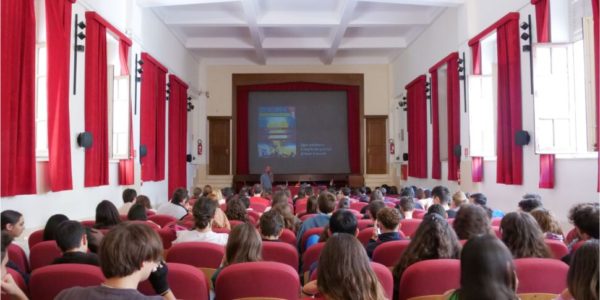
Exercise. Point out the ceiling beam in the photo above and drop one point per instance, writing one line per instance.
(162, 3)
(347, 12)
(196, 43)
(446, 3)
(374, 43)
(250, 12)
(198, 21)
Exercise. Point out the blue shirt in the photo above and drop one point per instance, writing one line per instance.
(265, 181)
(319, 220)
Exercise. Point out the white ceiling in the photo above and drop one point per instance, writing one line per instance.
(297, 31)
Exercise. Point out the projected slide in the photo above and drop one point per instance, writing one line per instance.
(277, 132)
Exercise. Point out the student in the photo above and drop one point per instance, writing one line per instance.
(312, 205)
(433, 239)
(128, 198)
(207, 190)
(244, 245)
(8, 285)
(441, 195)
(438, 209)
(341, 221)
(471, 220)
(530, 202)
(72, 240)
(326, 206)
(582, 278)
(176, 207)
(523, 237)
(585, 217)
(203, 211)
(406, 206)
(344, 271)
(13, 223)
(481, 200)
(271, 226)
(138, 213)
(373, 208)
(487, 271)
(459, 198)
(386, 229)
(220, 220)
(548, 224)
(291, 222)
(257, 196)
(236, 210)
(145, 201)
(52, 225)
(107, 215)
(129, 254)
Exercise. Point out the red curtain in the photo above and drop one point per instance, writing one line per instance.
(126, 166)
(476, 53)
(436, 164)
(152, 118)
(177, 134)
(476, 162)
(597, 77)
(417, 128)
(353, 115)
(547, 171)
(477, 168)
(18, 98)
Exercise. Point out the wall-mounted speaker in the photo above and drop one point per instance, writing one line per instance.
(189, 158)
(143, 150)
(85, 139)
(405, 156)
(522, 138)
(457, 150)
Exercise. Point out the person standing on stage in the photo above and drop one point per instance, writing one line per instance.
(266, 179)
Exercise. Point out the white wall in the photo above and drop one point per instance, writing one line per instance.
(575, 179)
(149, 34)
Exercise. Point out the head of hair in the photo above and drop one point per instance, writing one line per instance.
(479, 199)
(107, 215)
(243, 245)
(533, 196)
(407, 192)
(433, 239)
(271, 223)
(345, 191)
(459, 198)
(407, 204)
(523, 236)
(376, 195)
(344, 203)
(584, 216)
(227, 192)
(312, 205)
(389, 218)
(5, 241)
(257, 189)
(326, 201)
(374, 207)
(143, 200)
(486, 270)
(196, 192)
(203, 212)
(126, 247)
(427, 193)
(279, 198)
(207, 190)
(419, 194)
(345, 272)
(236, 210)
(527, 205)
(343, 221)
(179, 196)
(129, 195)
(9, 217)
(546, 221)
(471, 220)
(437, 209)
(69, 234)
(245, 201)
(52, 225)
(442, 193)
(582, 278)
(137, 213)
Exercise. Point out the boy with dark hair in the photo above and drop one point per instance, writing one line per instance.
(71, 238)
(406, 207)
(585, 217)
(257, 196)
(326, 203)
(388, 223)
(343, 221)
(129, 254)
(438, 209)
(271, 226)
(128, 200)
(441, 195)
(177, 206)
(373, 208)
(529, 204)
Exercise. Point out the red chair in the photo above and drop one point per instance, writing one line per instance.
(47, 282)
(364, 223)
(497, 231)
(162, 220)
(306, 217)
(358, 205)
(18, 279)
(300, 208)
(154, 226)
(17, 255)
(234, 223)
(365, 235)
(264, 279)
(167, 235)
(306, 234)
(205, 256)
(186, 282)
(35, 237)
(573, 234)
(123, 218)
(419, 213)
(541, 275)
(410, 226)
(496, 221)
(558, 248)
(383, 273)
(43, 253)
(88, 223)
(221, 230)
(389, 253)
(288, 236)
(258, 207)
(253, 217)
(310, 256)
(280, 252)
(429, 277)
(150, 213)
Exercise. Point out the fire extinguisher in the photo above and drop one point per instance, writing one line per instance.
(199, 147)
(392, 147)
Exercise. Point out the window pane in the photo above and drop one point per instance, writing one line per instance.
(42, 61)
(41, 136)
(42, 99)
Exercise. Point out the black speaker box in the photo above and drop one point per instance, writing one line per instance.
(405, 156)
(85, 139)
(143, 150)
(522, 138)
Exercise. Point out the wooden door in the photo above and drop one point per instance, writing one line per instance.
(376, 144)
(218, 139)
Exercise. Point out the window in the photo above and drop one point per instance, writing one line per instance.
(41, 102)
(118, 102)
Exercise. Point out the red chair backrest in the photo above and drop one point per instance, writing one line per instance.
(365, 235)
(311, 255)
(383, 273)
(17, 255)
(47, 282)
(258, 279)
(18, 279)
(186, 282)
(150, 213)
(573, 234)
(253, 217)
(88, 223)
(418, 213)
(496, 221)
(558, 248)
(154, 226)
(306, 234)
(306, 217)
(197, 254)
(497, 231)
(167, 235)
(280, 252)
(234, 223)
(35, 237)
(364, 223)
(288, 236)
(258, 207)
(43, 253)
(221, 230)
(300, 207)
(358, 205)
(389, 253)
(162, 220)
(429, 277)
(541, 275)
(123, 218)
(410, 226)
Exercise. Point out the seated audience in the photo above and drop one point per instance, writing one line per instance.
(523, 236)
(207, 190)
(13, 223)
(362, 194)
(343, 203)
(487, 271)
(291, 222)
(343, 193)
(585, 218)
(226, 192)
(145, 201)
(52, 225)
(244, 245)
(422, 200)
(326, 206)
(138, 213)
(257, 196)
(530, 202)
(373, 208)
(8, 285)
(312, 205)
(196, 193)
(271, 226)
(441, 195)
(129, 254)
(107, 215)
(471, 220)
(386, 229)
(128, 198)
(437, 209)
(72, 240)
(341, 221)
(220, 220)
(236, 210)
(481, 200)
(548, 224)
(459, 198)
(582, 279)
(176, 207)
(203, 212)
(406, 206)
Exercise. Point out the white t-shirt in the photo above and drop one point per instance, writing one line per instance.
(173, 210)
(123, 210)
(196, 236)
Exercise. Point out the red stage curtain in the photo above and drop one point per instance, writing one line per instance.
(126, 166)
(477, 168)
(597, 77)
(18, 98)
(353, 106)
(177, 134)
(547, 171)
(58, 43)
(417, 128)
(152, 118)
(96, 103)
(476, 53)
(436, 164)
